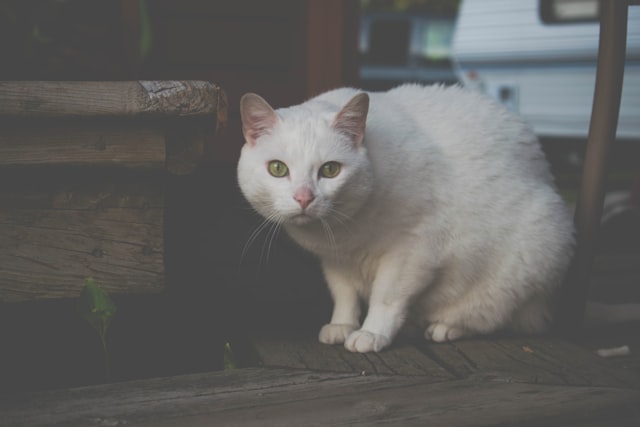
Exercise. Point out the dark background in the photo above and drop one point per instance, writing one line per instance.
(214, 293)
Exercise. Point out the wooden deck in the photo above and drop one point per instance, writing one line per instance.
(299, 382)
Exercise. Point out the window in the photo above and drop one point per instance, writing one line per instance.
(566, 11)
(436, 37)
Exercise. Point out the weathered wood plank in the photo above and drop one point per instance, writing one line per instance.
(532, 360)
(82, 144)
(310, 354)
(279, 397)
(537, 360)
(56, 233)
(128, 99)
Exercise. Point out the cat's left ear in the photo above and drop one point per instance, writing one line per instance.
(258, 118)
(351, 120)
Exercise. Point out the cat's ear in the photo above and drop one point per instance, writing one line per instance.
(351, 120)
(258, 118)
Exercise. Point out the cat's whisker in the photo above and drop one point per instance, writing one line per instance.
(342, 219)
(272, 233)
(252, 238)
(267, 223)
(330, 236)
(334, 209)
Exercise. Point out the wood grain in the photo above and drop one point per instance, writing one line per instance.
(310, 354)
(534, 360)
(278, 397)
(98, 145)
(110, 99)
(55, 233)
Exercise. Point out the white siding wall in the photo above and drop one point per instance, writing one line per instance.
(551, 68)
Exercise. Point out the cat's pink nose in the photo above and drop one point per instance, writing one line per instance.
(304, 197)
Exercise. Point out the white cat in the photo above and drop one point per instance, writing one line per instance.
(429, 205)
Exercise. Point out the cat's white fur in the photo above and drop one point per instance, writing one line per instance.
(443, 216)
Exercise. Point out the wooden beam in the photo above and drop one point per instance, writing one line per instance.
(61, 144)
(326, 21)
(111, 99)
(602, 134)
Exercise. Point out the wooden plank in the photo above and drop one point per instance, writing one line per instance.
(55, 233)
(61, 144)
(538, 360)
(124, 99)
(532, 360)
(280, 397)
(308, 353)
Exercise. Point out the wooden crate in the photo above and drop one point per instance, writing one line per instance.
(83, 172)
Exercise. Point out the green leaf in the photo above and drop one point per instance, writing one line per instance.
(96, 307)
(229, 358)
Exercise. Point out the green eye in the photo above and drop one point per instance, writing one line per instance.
(278, 169)
(330, 170)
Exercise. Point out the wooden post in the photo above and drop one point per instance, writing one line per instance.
(602, 133)
(330, 25)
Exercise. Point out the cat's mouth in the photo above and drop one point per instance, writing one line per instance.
(302, 218)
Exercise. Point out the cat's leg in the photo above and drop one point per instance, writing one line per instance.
(443, 332)
(473, 313)
(399, 279)
(346, 305)
(380, 327)
(480, 312)
(494, 302)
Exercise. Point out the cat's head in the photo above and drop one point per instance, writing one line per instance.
(305, 163)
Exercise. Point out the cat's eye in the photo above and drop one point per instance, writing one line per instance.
(330, 170)
(278, 169)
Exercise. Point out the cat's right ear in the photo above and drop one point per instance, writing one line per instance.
(352, 118)
(258, 118)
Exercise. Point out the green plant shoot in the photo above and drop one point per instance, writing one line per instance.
(98, 309)
(229, 358)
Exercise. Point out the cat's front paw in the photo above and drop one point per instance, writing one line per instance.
(362, 341)
(440, 332)
(333, 333)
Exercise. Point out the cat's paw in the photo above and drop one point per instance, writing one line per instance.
(333, 333)
(441, 332)
(362, 341)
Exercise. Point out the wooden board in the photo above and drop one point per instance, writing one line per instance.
(534, 360)
(308, 353)
(279, 397)
(98, 145)
(111, 99)
(57, 230)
